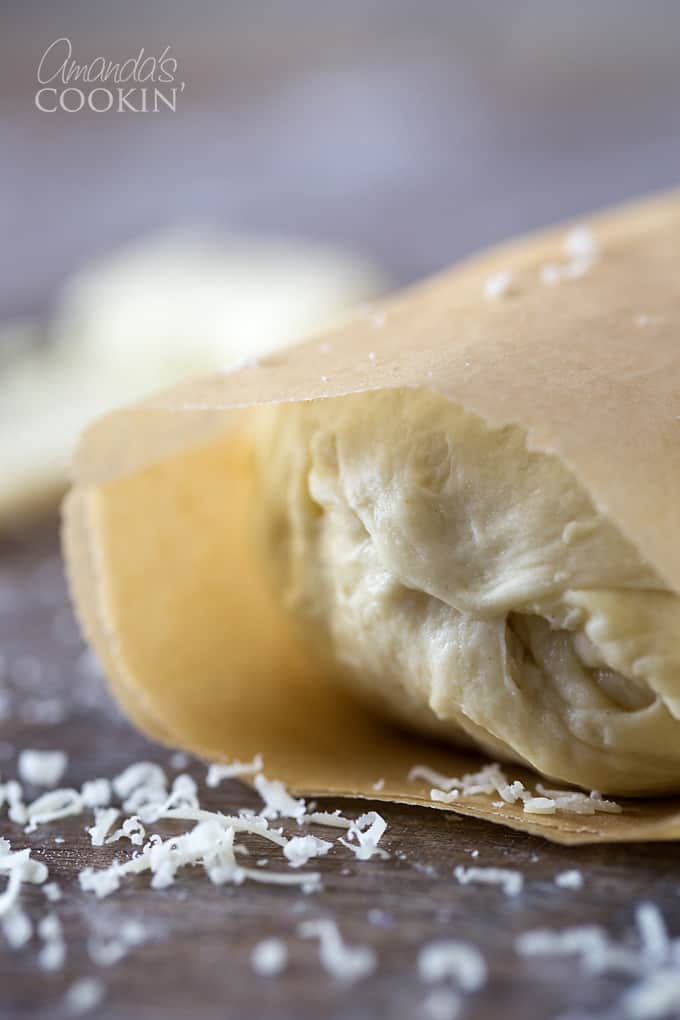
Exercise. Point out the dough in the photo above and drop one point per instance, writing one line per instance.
(469, 587)
(504, 575)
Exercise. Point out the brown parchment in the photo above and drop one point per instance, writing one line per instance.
(156, 528)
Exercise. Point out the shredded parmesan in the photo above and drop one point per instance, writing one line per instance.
(12, 795)
(16, 927)
(569, 879)
(131, 829)
(575, 802)
(141, 773)
(19, 867)
(655, 992)
(84, 995)
(510, 881)
(106, 952)
(52, 891)
(269, 957)
(278, 803)
(210, 844)
(453, 960)
(580, 243)
(42, 768)
(551, 274)
(301, 849)
(581, 253)
(431, 776)
(104, 818)
(96, 793)
(53, 952)
(332, 819)
(492, 780)
(442, 1004)
(367, 831)
(499, 285)
(344, 963)
(53, 806)
(584, 940)
(217, 773)
(656, 995)
(656, 946)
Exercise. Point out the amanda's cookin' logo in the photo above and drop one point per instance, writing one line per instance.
(145, 83)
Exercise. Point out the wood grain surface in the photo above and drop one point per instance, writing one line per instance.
(195, 964)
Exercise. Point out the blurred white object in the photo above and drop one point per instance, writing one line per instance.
(182, 303)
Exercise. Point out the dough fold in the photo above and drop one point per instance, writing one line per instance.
(468, 501)
(469, 587)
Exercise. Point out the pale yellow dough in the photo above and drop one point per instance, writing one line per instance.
(470, 588)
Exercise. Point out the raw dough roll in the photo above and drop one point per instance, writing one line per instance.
(461, 505)
(470, 588)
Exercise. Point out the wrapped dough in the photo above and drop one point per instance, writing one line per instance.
(461, 506)
(469, 587)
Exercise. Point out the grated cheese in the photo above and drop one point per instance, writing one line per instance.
(52, 806)
(142, 775)
(581, 252)
(12, 795)
(42, 768)
(332, 819)
(583, 940)
(510, 881)
(453, 960)
(580, 243)
(52, 891)
(96, 793)
(301, 849)
(575, 802)
(443, 796)
(84, 995)
(539, 806)
(491, 779)
(431, 776)
(656, 995)
(499, 285)
(656, 946)
(19, 868)
(217, 772)
(17, 927)
(344, 963)
(598, 954)
(269, 957)
(107, 952)
(569, 879)
(210, 844)
(53, 952)
(550, 274)
(104, 819)
(367, 830)
(277, 801)
(131, 829)
(442, 1004)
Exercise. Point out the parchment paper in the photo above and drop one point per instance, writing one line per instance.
(171, 592)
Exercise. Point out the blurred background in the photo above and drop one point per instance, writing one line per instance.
(318, 154)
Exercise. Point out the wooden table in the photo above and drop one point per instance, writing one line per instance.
(195, 964)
